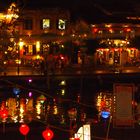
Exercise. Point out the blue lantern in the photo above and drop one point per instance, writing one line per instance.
(105, 114)
(16, 91)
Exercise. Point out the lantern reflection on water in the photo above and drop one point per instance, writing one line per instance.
(104, 103)
(23, 108)
(47, 134)
(24, 129)
(40, 110)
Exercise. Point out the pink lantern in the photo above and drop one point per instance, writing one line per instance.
(24, 129)
(47, 134)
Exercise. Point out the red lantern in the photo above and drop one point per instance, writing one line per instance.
(76, 138)
(4, 113)
(95, 30)
(47, 134)
(24, 129)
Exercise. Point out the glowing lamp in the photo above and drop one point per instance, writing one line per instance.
(62, 58)
(105, 114)
(30, 80)
(4, 113)
(47, 134)
(24, 129)
(30, 94)
(128, 29)
(95, 30)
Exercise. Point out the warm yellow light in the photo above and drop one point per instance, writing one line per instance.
(5, 52)
(108, 25)
(38, 57)
(10, 15)
(63, 92)
(38, 46)
(55, 110)
(2, 16)
(13, 5)
(18, 61)
(63, 82)
(21, 44)
(38, 108)
(21, 112)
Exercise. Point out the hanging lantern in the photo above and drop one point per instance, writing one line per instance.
(47, 134)
(24, 129)
(95, 30)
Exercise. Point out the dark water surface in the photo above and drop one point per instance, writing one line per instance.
(85, 86)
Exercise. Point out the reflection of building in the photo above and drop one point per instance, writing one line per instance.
(104, 102)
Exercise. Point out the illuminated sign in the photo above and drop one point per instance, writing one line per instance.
(84, 133)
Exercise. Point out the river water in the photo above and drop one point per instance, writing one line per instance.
(48, 99)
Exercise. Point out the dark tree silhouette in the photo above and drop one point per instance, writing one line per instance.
(92, 45)
(135, 42)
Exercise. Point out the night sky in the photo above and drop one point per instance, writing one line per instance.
(90, 10)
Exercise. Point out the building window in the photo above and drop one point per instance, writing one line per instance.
(28, 24)
(45, 24)
(61, 24)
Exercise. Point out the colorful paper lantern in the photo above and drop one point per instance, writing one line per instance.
(47, 134)
(24, 129)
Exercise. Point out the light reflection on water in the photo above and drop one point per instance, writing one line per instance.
(32, 102)
(24, 110)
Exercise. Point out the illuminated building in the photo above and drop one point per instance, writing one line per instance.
(115, 43)
(39, 27)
